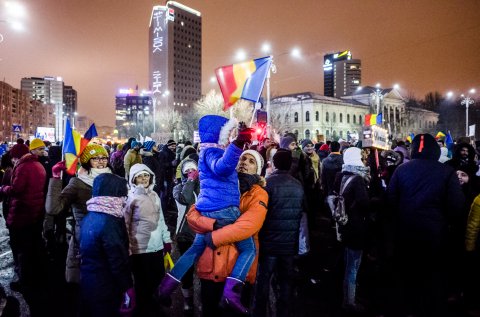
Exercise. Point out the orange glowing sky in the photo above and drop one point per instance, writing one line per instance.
(101, 46)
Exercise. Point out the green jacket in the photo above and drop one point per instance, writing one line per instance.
(131, 158)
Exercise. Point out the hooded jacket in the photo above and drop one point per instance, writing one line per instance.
(425, 197)
(144, 217)
(457, 160)
(218, 178)
(26, 192)
(131, 158)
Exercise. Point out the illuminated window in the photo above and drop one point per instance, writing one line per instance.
(295, 117)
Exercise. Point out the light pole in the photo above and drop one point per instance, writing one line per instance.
(467, 100)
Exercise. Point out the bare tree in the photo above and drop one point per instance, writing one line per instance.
(212, 103)
(168, 121)
(281, 118)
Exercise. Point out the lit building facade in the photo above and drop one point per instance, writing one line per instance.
(48, 90)
(19, 112)
(175, 57)
(133, 113)
(342, 74)
(69, 101)
(322, 118)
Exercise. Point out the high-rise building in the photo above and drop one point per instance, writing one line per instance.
(175, 56)
(20, 116)
(133, 113)
(48, 90)
(69, 101)
(341, 74)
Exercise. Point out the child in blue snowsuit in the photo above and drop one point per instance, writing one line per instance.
(219, 199)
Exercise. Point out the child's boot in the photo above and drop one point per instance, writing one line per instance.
(232, 294)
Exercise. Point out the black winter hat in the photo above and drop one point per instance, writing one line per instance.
(109, 185)
(282, 160)
(424, 146)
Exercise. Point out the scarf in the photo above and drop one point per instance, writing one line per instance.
(88, 178)
(108, 205)
(246, 181)
(315, 162)
(363, 171)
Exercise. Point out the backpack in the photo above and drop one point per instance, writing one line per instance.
(336, 203)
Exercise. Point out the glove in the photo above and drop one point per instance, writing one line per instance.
(220, 223)
(209, 241)
(244, 135)
(167, 248)
(58, 168)
(129, 303)
(192, 175)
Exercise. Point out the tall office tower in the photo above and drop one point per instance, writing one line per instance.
(341, 74)
(175, 56)
(133, 113)
(48, 90)
(70, 101)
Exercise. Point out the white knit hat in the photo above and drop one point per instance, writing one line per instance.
(353, 156)
(188, 165)
(257, 157)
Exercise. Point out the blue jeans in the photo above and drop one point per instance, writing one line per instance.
(353, 258)
(246, 248)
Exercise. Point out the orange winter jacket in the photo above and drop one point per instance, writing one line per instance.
(216, 265)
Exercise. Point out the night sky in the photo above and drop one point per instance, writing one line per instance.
(101, 46)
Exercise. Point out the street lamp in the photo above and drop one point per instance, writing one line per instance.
(467, 100)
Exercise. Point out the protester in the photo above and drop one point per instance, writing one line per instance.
(331, 165)
(153, 164)
(149, 237)
(353, 232)
(116, 161)
(425, 200)
(106, 283)
(132, 157)
(94, 162)
(279, 236)
(186, 193)
(215, 265)
(312, 182)
(168, 161)
(218, 199)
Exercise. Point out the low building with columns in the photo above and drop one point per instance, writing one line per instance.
(320, 118)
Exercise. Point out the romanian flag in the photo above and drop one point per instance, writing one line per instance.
(71, 148)
(439, 135)
(449, 143)
(90, 134)
(243, 81)
(373, 119)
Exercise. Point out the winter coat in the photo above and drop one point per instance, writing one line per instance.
(473, 226)
(144, 217)
(218, 178)
(331, 165)
(105, 270)
(155, 166)
(280, 231)
(131, 158)
(167, 161)
(357, 204)
(426, 198)
(26, 193)
(216, 265)
(185, 194)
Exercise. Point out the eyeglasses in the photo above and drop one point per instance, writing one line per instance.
(99, 158)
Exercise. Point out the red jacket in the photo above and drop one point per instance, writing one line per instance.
(216, 265)
(26, 192)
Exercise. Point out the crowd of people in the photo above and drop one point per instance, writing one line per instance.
(244, 212)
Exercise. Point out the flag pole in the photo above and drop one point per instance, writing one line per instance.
(272, 69)
(231, 112)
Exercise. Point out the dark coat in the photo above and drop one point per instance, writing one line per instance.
(279, 234)
(26, 193)
(425, 197)
(153, 164)
(105, 270)
(167, 161)
(331, 165)
(356, 207)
